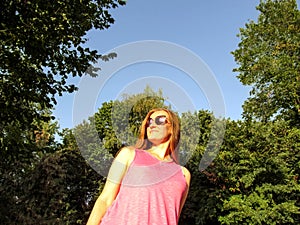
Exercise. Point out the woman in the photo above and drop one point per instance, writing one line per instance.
(146, 185)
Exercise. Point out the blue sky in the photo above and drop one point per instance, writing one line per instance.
(207, 29)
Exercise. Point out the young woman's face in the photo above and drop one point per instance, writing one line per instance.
(158, 127)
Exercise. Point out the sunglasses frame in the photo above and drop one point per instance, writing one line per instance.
(157, 120)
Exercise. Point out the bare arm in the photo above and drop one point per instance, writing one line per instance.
(112, 185)
(187, 176)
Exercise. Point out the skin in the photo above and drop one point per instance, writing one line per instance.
(158, 135)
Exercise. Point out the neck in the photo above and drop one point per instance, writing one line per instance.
(160, 150)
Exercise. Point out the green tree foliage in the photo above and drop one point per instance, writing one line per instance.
(118, 122)
(114, 125)
(259, 168)
(268, 58)
(22, 149)
(253, 180)
(201, 204)
(259, 161)
(42, 43)
(92, 146)
(57, 189)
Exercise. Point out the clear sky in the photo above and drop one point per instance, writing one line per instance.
(206, 28)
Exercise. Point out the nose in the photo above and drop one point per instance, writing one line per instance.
(152, 125)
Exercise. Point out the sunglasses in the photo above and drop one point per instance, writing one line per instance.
(159, 120)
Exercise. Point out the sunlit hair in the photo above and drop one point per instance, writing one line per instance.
(144, 143)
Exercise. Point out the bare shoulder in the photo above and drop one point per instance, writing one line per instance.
(126, 154)
(125, 151)
(186, 174)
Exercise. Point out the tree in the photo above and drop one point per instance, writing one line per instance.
(22, 149)
(259, 168)
(268, 58)
(42, 43)
(259, 164)
(253, 180)
(201, 205)
(118, 122)
(58, 190)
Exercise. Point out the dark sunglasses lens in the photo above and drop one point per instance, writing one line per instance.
(149, 122)
(160, 120)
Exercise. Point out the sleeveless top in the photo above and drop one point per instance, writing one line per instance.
(150, 193)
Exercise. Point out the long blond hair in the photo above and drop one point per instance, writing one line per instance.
(144, 143)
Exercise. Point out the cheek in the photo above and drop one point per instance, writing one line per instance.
(167, 132)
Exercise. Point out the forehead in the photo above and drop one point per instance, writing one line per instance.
(159, 113)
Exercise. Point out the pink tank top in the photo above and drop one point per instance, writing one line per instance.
(150, 193)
